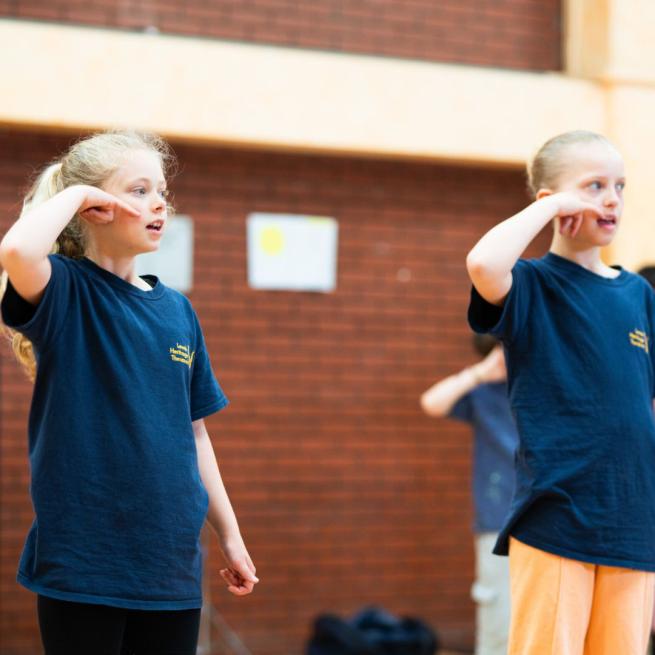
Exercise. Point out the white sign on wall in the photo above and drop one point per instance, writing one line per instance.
(173, 262)
(291, 252)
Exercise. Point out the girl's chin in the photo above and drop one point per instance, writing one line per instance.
(603, 243)
(606, 239)
(153, 246)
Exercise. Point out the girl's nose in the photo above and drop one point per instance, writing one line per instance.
(159, 204)
(611, 198)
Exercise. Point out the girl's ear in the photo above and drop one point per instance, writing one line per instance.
(542, 193)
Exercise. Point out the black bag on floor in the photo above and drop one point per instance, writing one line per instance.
(335, 636)
(371, 632)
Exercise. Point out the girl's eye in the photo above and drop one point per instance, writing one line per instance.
(164, 193)
(140, 191)
(620, 186)
(596, 186)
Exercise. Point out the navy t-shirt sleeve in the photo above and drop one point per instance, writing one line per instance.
(207, 396)
(462, 409)
(505, 322)
(41, 323)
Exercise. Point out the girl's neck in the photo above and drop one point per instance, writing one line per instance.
(122, 266)
(586, 257)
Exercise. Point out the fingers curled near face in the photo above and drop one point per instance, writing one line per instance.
(569, 226)
(98, 215)
(565, 224)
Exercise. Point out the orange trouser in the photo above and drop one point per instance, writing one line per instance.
(562, 606)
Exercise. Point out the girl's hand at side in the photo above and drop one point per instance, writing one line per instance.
(240, 574)
(100, 207)
(572, 210)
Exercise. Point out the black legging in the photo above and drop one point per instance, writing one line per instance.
(84, 629)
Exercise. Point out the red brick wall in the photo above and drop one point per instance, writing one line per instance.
(346, 493)
(522, 34)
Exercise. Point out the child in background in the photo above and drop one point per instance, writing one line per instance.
(123, 473)
(578, 339)
(478, 395)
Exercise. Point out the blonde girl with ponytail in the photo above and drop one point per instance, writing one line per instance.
(123, 473)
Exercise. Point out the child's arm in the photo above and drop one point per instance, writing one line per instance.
(493, 257)
(25, 248)
(441, 397)
(240, 574)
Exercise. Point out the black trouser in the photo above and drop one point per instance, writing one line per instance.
(85, 629)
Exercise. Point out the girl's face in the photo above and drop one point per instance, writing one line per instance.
(139, 182)
(595, 172)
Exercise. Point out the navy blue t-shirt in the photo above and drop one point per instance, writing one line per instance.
(115, 484)
(495, 438)
(581, 383)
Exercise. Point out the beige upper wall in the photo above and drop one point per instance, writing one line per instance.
(611, 40)
(586, 40)
(67, 77)
(632, 42)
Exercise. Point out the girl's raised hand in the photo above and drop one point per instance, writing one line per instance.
(240, 575)
(100, 207)
(572, 210)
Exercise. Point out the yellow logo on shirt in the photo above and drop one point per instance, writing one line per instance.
(181, 354)
(640, 339)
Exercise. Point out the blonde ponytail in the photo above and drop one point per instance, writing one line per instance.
(46, 185)
(51, 181)
(21, 346)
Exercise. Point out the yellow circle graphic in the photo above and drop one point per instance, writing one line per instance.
(271, 240)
